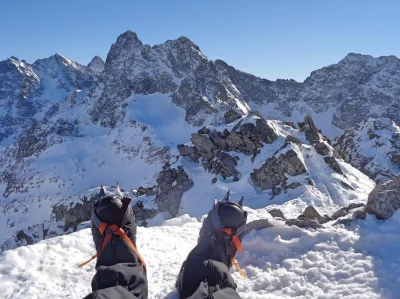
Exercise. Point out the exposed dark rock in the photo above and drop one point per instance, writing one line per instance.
(204, 145)
(290, 124)
(311, 213)
(146, 191)
(311, 130)
(272, 172)
(214, 180)
(277, 213)
(384, 199)
(172, 183)
(76, 214)
(310, 182)
(340, 213)
(332, 163)
(141, 213)
(204, 130)
(224, 164)
(268, 135)
(219, 139)
(304, 223)
(360, 214)
(236, 143)
(322, 148)
(395, 158)
(339, 154)
(276, 190)
(353, 206)
(257, 225)
(346, 210)
(22, 236)
(293, 139)
(231, 115)
(189, 151)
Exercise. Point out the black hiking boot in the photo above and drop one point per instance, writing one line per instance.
(223, 222)
(115, 210)
(219, 239)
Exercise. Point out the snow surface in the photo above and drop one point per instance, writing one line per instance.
(361, 261)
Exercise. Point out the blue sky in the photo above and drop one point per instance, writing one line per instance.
(268, 38)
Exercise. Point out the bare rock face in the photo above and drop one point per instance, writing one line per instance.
(77, 213)
(189, 151)
(257, 224)
(141, 213)
(272, 172)
(172, 183)
(277, 213)
(303, 223)
(210, 146)
(332, 163)
(322, 148)
(359, 215)
(384, 199)
(311, 130)
(311, 213)
(204, 145)
(293, 139)
(225, 164)
(346, 210)
(231, 115)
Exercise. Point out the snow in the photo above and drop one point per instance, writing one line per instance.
(165, 119)
(361, 261)
(328, 194)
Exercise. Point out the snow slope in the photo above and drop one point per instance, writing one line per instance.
(361, 261)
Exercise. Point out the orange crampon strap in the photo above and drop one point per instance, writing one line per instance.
(120, 233)
(239, 248)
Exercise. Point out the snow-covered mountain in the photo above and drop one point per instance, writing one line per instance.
(96, 64)
(67, 128)
(373, 147)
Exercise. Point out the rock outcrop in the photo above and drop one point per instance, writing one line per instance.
(272, 172)
(210, 146)
(384, 200)
(172, 183)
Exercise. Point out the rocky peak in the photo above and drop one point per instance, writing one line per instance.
(96, 65)
(68, 74)
(128, 37)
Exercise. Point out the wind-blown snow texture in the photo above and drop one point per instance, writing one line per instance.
(280, 262)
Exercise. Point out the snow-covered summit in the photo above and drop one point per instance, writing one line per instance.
(69, 74)
(96, 65)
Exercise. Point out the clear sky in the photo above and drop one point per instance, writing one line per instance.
(268, 38)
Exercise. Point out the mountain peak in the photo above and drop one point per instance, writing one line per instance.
(129, 37)
(96, 64)
(353, 57)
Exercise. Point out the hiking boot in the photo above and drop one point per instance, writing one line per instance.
(206, 268)
(220, 231)
(114, 210)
